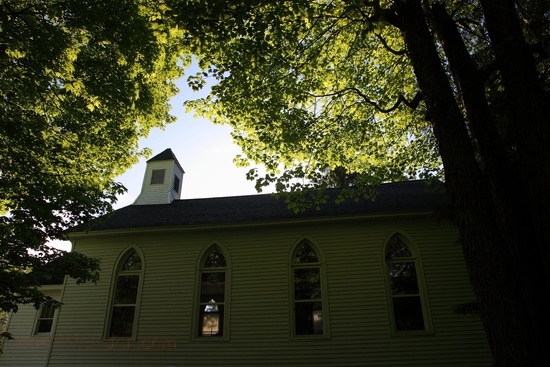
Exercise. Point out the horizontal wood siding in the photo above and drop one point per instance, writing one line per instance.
(259, 307)
(27, 349)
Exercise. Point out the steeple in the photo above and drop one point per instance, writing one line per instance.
(162, 180)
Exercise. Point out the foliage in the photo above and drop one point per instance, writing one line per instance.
(358, 92)
(80, 82)
(4, 334)
(311, 88)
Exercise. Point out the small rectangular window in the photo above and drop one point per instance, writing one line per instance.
(157, 176)
(44, 322)
(176, 183)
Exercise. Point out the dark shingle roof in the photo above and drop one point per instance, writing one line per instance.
(403, 197)
(166, 155)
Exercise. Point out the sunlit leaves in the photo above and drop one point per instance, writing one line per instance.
(313, 86)
(81, 81)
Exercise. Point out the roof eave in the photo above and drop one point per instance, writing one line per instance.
(270, 223)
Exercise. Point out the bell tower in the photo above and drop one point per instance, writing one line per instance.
(162, 180)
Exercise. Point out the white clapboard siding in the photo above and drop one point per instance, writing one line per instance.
(259, 300)
(27, 348)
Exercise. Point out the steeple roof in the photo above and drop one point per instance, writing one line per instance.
(166, 155)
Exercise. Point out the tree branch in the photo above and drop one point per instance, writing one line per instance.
(387, 47)
(412, 104)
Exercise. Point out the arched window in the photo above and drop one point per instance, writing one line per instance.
(125, 297)
(213, 293)
(307, 294)
(405, 286)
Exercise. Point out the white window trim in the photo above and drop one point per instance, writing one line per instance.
(37, 318)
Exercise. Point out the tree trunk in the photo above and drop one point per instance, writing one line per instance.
(502, 221)
(529, 110)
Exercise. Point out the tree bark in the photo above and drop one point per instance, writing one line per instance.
(529, 110)
(501, 223)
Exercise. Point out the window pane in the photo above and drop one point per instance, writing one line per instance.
(132, 263)
(211, 320)
(305, 254)
(126, 289)
(212, 287)
(408, 313)
(44, 326)
(47, 312)
(307, 283)
(397, 248)
(308, 318)
(122, 321)
(403, 278)
(176, 183)
(215, 260)
(157, 177)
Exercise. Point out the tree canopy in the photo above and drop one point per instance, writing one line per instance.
(80, 82)
(310, 87)
(388, 90)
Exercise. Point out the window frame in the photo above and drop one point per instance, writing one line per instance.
(320, 264)
(39, 318)
(197, 304)
(420, 279)
(117, 270)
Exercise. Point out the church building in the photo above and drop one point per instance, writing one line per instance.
(244, 281)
